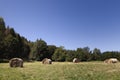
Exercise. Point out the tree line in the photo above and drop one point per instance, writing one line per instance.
(13, 45)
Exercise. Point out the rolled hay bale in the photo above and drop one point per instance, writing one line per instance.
(76, 60)
(106, 61)
(47, 61)
(16, 62)
(111, 60)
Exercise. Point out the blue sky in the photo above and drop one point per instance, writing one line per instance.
(68, 23)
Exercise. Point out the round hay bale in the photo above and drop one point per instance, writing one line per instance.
(16, 62)
(47, 61)
(111, 60)
(106, 61)
(76, 60)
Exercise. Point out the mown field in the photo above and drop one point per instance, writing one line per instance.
(61, 71)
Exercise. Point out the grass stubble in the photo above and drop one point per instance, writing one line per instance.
(61, 71)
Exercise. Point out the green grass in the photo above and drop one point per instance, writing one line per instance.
(61, 71)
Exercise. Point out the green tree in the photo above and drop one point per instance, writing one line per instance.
(87, 54)
(84, 54)
(96, 54)
(80, 54)
(11, 44)
(71, 54)
(2, 50)
(33, 52)
(59, 54)
(2, 26)
(110, 54)
(51, 49)
(2, 29)
(41, 49)
(25, 48)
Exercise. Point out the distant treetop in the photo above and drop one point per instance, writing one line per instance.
(2, 20)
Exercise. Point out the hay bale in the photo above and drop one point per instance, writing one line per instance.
(111, 60)
(106, 61)
(76, 60)
(16, 62)
(47, 61)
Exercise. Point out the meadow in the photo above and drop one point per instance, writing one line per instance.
(61, 71)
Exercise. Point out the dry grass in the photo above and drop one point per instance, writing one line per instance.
(61, 71)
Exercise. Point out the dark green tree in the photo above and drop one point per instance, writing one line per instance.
(110, 54)
(11, 44)
(96, 54)
(25, 48)
(41, 49)
(84, 54)
(2, 29)
(80, 54)
(51, 49)
(70, 55)
(59, 54)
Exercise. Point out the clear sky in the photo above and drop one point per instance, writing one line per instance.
(69, 23)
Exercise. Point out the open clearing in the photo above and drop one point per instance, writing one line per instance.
(61, 71)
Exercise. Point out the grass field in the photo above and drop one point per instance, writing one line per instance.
(61, 71)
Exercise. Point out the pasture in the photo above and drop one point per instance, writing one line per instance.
(61, 71)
